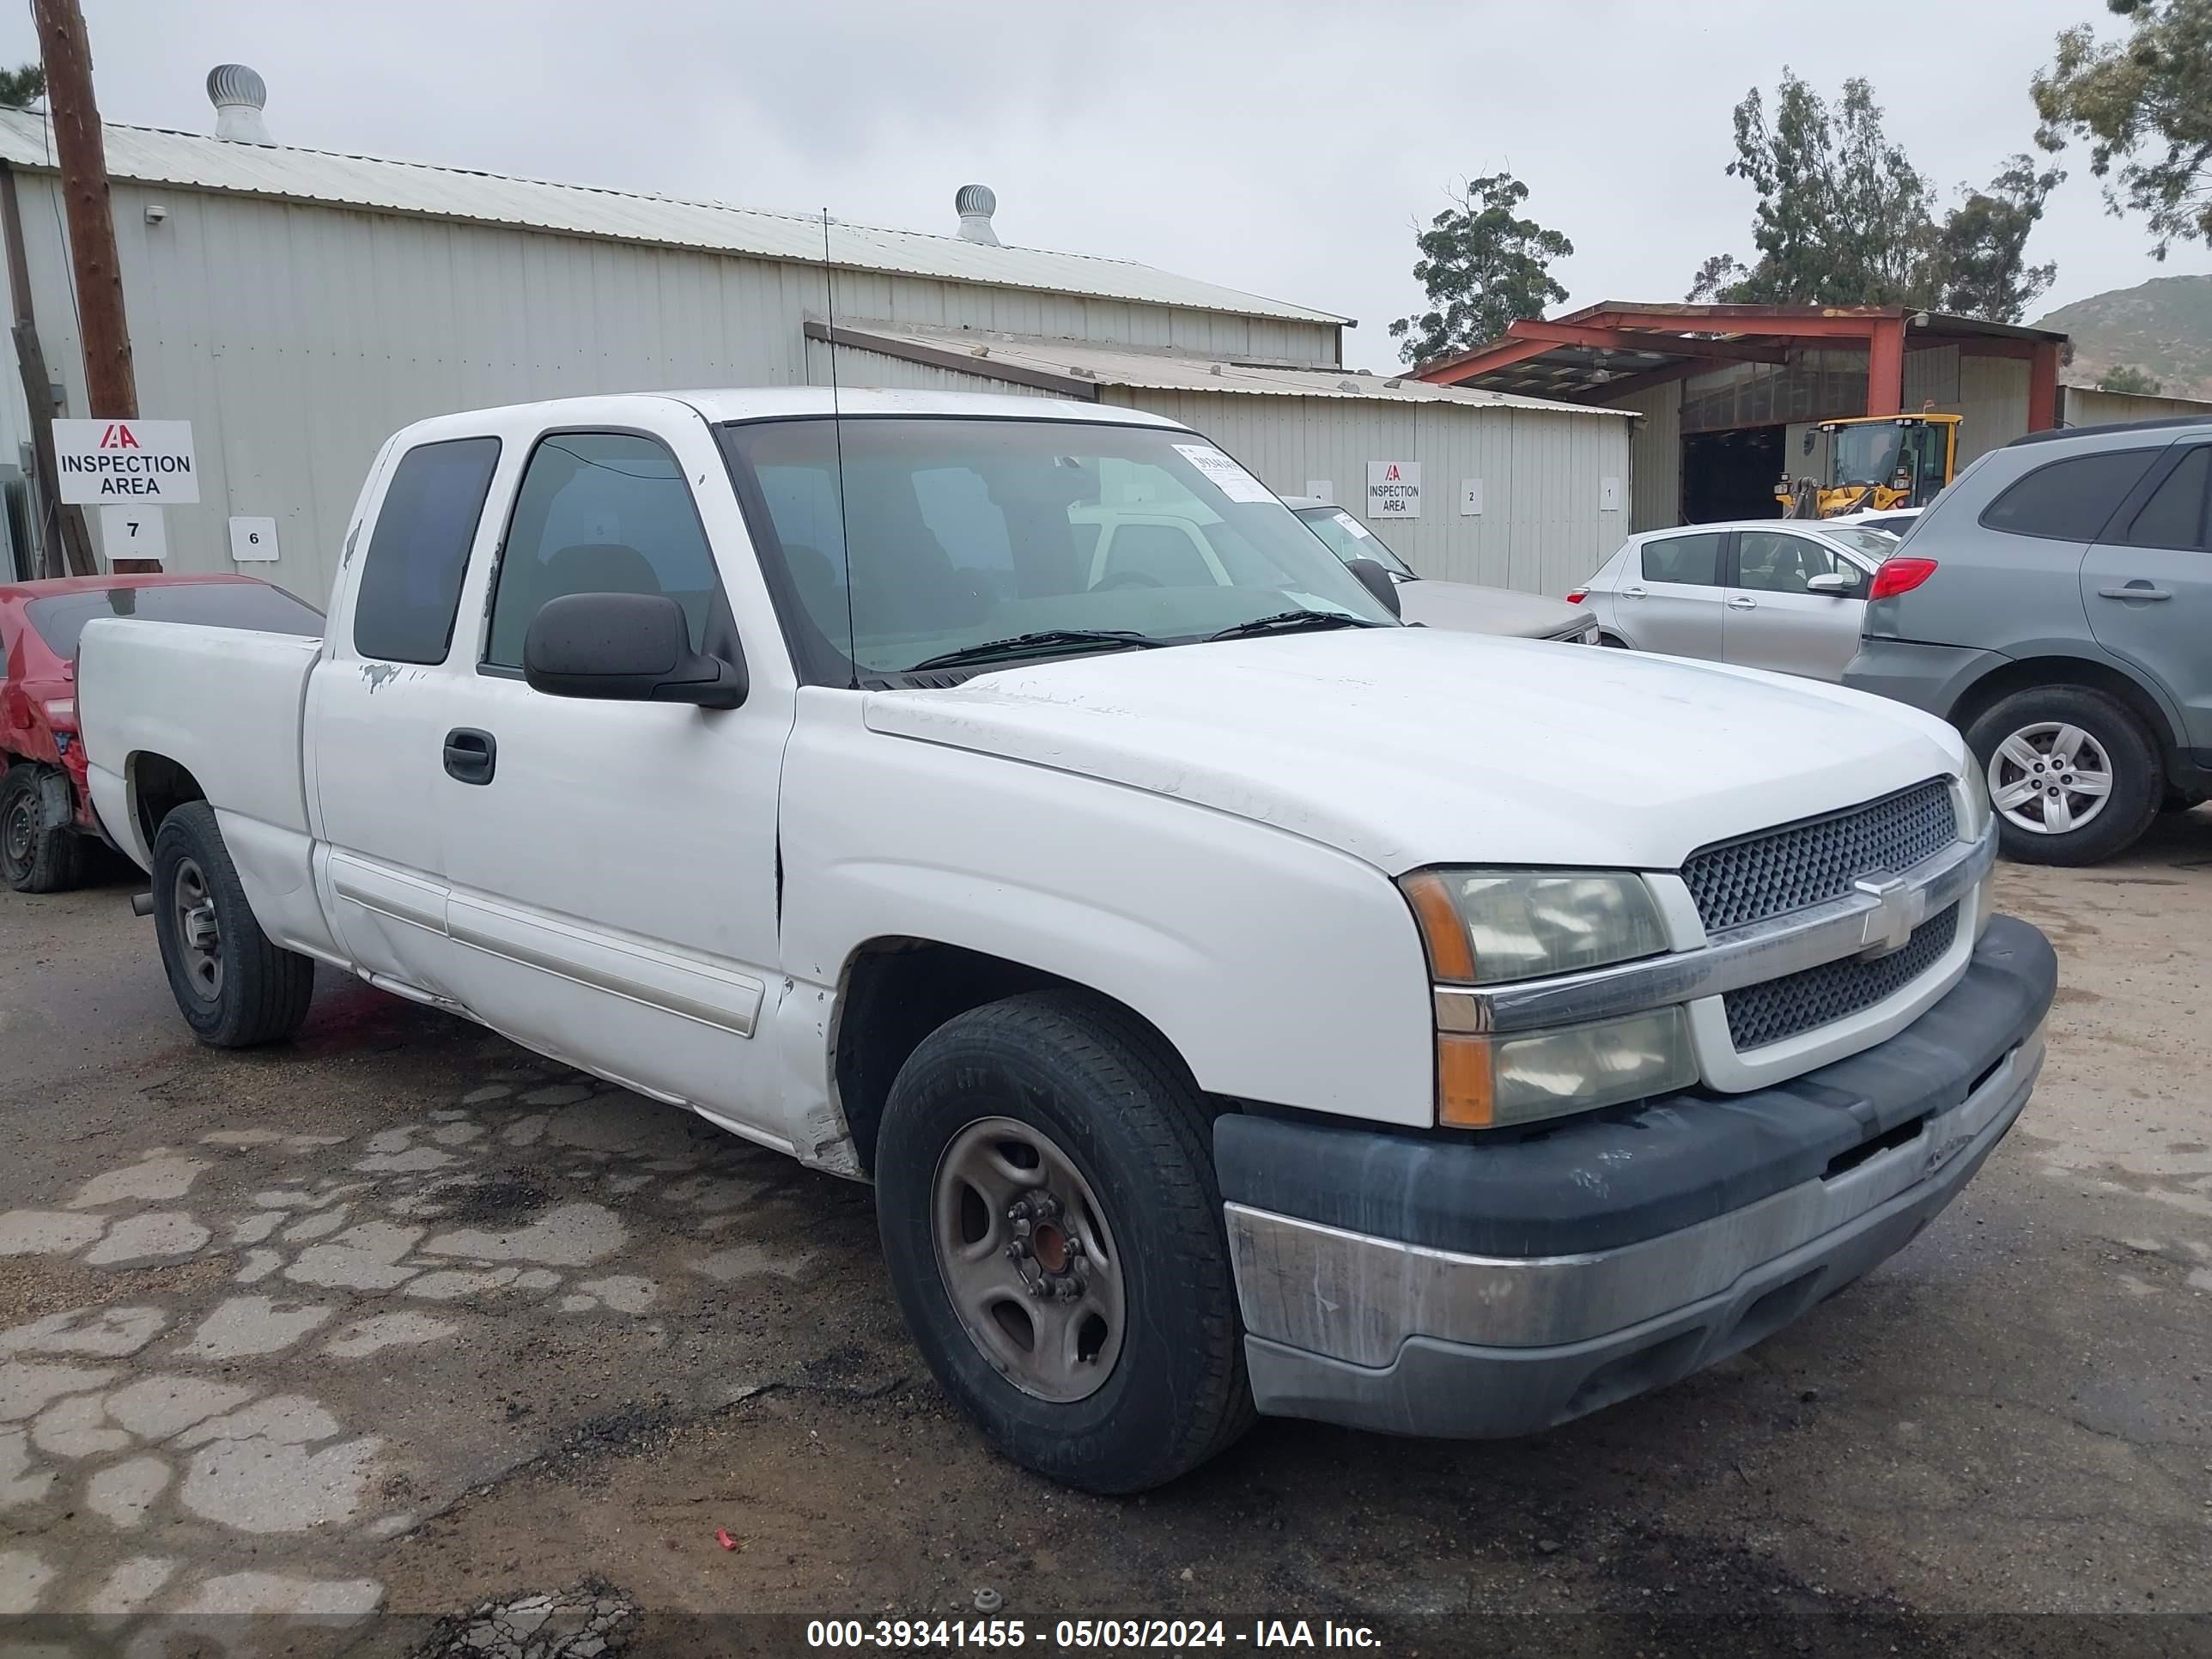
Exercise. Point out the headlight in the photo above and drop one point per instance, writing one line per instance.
(1482, 926)
(1486, 1082)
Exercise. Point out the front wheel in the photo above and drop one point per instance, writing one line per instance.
(234, 989)
(2074, 776)
(1045, 1192)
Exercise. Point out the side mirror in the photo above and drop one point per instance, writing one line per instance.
(624, 647)
(1835, 582)
(1376, 580)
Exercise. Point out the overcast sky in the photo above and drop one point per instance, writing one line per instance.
(1286, 149)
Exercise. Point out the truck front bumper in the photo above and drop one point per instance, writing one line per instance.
(1482, 1289)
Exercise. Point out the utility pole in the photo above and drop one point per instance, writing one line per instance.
(110, 388)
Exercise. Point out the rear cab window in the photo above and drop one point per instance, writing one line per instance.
(2069, 500)
(418, 553)
(1693, 561)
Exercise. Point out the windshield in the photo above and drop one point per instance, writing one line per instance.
(959, 534)
(61, 619)
(1349, 539)
(1875, 544)
(1868, 454)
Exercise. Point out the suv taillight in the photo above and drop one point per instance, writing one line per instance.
(1578, 596)
(1900, 576)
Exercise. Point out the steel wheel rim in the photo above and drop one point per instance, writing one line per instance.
(19, 831)
(1028, 1259)
(199, 936)
(2050, 779)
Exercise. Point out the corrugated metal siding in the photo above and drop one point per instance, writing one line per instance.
(1541, 530)
(1655, 503)
(1993, 399)
(297, 337)
(167, 159)
(2082, 405)
(1931, 375)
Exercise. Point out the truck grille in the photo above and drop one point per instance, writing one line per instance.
(1779, 1008)
(1778, 871)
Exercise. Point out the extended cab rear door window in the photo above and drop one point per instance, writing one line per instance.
(2069, 501)
(602, 513)
(410, 580)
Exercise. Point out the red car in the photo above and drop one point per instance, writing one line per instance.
(45, 813)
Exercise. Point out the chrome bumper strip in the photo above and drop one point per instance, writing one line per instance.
(1877, 917)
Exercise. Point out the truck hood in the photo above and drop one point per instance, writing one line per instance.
(1473, 609)
(1412, 746)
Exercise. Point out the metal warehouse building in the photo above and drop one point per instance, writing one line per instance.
(296, 305)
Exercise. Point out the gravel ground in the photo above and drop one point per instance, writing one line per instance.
(443, 1349)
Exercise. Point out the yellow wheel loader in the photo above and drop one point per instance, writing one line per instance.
(1876, 464)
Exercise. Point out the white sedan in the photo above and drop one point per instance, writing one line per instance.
(1776, 593)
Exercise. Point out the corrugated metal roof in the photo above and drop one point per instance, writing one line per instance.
(1077, 369)
(194, 161)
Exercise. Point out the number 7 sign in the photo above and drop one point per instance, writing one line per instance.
(133, 532)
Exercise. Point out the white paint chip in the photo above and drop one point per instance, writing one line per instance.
(154, 1407)
(47, 1232)
(573, 1235)
(391, 1330)
(247, 1325)
(158, 1233)
(264, 1485)
(155, 1179)
(26, 1389)
(122, 1493)
(362, 1258)
(100, 1333)
(128, 1588)
(23, 1577)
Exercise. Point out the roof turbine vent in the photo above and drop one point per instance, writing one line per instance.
(976, 203)
(237, 95)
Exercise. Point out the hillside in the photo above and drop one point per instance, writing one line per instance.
(2164, 326)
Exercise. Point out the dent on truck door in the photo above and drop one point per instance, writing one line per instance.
(613, 881)
(375, 716)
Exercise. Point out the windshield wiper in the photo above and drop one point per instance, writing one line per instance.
(1284, 621)
(1043, 637)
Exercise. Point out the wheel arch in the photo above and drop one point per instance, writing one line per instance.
(894, 990)
(2027, 673)
(157, 785)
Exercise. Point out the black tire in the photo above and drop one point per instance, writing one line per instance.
(2137, 778)
(240, 990)
(33, 858)
(1122, 1107)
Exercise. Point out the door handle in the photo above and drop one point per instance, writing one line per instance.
(471, 756)
(1740, 602)
(2137, 589)
(1631, 593)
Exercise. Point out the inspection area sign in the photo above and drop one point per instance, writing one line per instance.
(1394, 489)
(126, 463)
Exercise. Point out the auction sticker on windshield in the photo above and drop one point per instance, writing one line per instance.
(1231, 479)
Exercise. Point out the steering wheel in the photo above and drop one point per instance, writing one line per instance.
(1129, 579)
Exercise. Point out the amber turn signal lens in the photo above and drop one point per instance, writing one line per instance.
(1444, 929)
(1466, 1096)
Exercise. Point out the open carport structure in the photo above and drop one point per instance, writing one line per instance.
(1729, 391)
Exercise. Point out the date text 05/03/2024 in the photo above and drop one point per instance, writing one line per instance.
(1170, 1635)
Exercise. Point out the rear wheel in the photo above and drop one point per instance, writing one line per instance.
(35, 857)
(1045, 1192)
(234, 989)
(2074, 776)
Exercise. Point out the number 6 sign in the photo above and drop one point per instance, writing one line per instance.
(253, 541)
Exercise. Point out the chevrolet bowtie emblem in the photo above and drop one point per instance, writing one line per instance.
(1899, 908)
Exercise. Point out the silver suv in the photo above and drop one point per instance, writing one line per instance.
(2055, 604)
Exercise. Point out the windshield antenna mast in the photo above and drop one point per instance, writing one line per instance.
(837, 434)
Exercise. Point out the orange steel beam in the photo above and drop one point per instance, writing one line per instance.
(1885, 367)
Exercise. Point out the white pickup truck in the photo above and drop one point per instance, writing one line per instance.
(1238, 1000)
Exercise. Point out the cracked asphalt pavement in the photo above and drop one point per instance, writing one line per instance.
(442, 1348)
